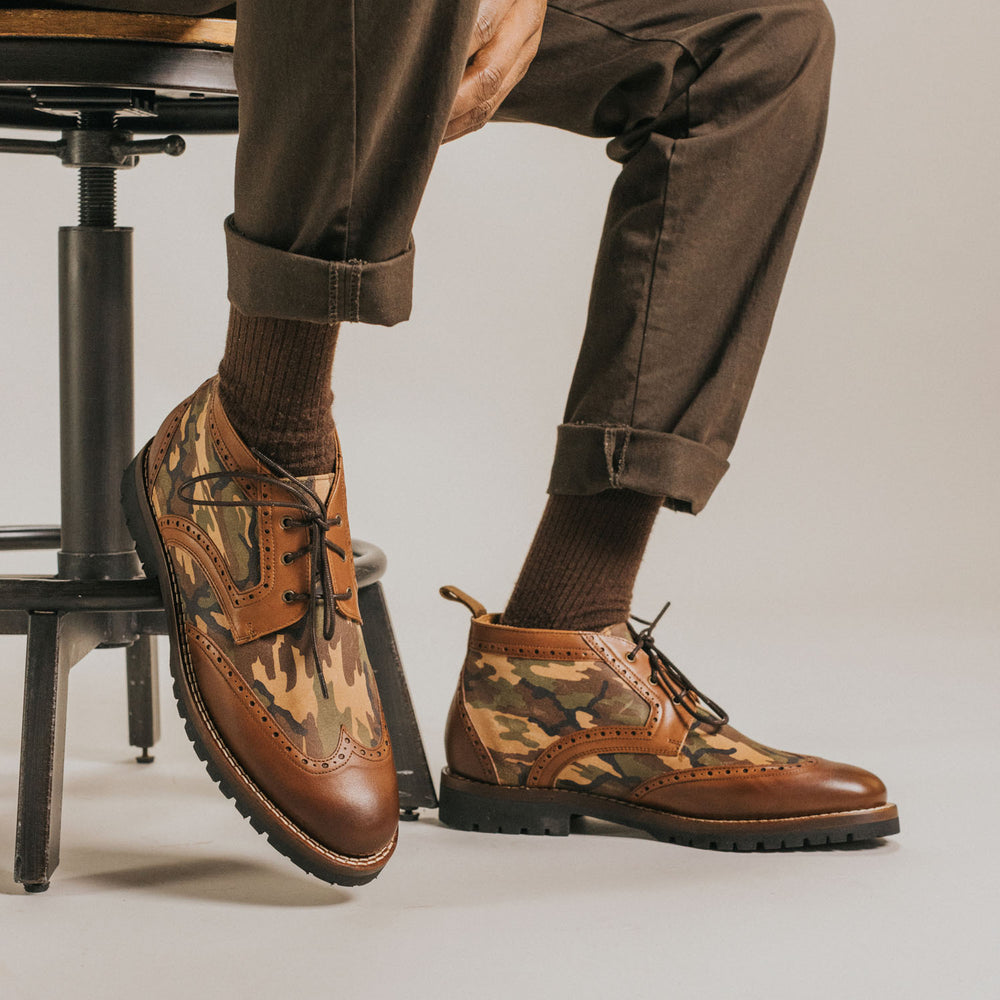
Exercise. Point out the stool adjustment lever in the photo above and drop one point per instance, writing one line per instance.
(88, 146)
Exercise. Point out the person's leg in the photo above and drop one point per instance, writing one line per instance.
(581, 567)
(274, 382)
(339, 129)
(338, 133)
(716, 110)
(238, 504)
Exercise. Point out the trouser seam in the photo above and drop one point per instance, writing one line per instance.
(354, 126)
(354, 313)
(609, 453)
(614, 463)
(621, 458)
(626, 35)
(652, 278)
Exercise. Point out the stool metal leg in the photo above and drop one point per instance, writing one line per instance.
(416, 789)
(143, 696)
(96, 443)
(95, 401)
(55, 642)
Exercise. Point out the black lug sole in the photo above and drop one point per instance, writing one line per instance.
(474, 805)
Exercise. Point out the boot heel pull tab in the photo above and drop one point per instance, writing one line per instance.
(460, 596)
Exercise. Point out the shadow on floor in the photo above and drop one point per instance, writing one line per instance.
(219, 880)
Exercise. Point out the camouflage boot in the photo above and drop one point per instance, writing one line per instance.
(547, 725)
(269, 664)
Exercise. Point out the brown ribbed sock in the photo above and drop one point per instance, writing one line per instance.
(582, 564)
(274, 383)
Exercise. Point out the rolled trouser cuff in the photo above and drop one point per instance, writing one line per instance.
(591, 458)
(265, 281)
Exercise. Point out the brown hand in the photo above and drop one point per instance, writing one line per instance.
(503, 44)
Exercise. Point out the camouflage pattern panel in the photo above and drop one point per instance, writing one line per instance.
(716, 746)
(519, 706)
(618, 774)
(614, 774)
(285, 680)
(233, 530)
(280, 669)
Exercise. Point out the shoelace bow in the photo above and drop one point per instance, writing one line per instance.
(664, 670)
(313, 515)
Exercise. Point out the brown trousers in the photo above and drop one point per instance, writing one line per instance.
(715, 110)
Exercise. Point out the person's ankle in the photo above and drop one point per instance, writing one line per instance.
(581, 567)
(274, 383)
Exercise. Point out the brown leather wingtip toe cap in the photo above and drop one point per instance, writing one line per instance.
(351, 807)
(811, 788)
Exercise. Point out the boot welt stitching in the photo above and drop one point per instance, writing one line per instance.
(691, 819)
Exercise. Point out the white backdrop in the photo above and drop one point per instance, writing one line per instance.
(863, 484)
(841, 587)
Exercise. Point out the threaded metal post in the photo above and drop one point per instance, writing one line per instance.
(97, 196)
(97, 184)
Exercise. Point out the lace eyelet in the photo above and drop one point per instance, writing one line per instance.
(288, 596)
(286, 523)
(287, 558)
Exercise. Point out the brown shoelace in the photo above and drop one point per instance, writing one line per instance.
(312, 514)
(669, 676)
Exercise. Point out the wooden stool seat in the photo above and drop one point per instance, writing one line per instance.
(115, 25)
(177, 72)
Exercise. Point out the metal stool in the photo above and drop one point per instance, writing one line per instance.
(99, 78)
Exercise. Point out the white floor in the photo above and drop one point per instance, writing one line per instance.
(164, 892)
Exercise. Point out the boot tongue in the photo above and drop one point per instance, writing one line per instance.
(619, 630)
(320, 485)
